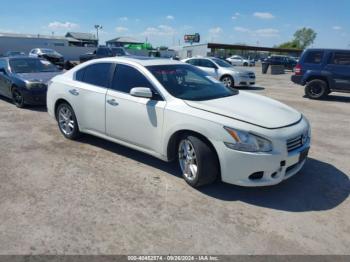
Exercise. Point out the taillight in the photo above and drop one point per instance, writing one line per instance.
(297, 69)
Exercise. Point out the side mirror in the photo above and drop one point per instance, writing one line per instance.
(144, 92)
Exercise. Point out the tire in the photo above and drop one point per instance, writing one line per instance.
(245, 64)
(67, 121)
(17, 97)
(228, 81)
(198, 161)
(316, 89)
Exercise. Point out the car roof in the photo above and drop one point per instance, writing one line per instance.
(141, 60)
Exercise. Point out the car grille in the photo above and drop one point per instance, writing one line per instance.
(294, 143)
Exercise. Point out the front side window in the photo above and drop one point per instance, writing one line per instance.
(206, 63)
(96, 74)
(193, 62)
(189, 83)
(31, 65)
(126, 77)
(221, 62)
(314, 57)
(341, 58)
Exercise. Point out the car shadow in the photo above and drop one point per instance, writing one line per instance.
(37, 108)
(319, 186)
(335, 98)
(250, 88)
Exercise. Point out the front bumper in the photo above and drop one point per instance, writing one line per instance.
(275, 167)
(245, 80)
(35, 97)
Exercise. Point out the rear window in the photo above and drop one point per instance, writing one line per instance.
(341, 58)
(314, 57)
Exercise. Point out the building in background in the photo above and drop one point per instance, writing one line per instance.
(71, 46)
(83, 39)
(123, 41)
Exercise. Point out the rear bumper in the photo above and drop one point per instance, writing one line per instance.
(297, 79)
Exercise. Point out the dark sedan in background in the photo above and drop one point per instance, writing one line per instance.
(49, 54)
(25, 79)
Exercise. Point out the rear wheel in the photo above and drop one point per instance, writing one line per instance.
(316, 89)
(198, 161)
(67, 122)
(17, 97)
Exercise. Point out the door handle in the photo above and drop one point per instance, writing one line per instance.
(74, 92)
(112, 102)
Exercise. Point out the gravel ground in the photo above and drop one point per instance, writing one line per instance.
(96, 197)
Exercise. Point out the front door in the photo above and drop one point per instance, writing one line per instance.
(209, 67)
(134, 120)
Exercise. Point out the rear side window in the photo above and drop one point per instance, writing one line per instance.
(126, 77)
(341, 58)
(314, 57)
(80, 74)
(96, 74)
(206, 63)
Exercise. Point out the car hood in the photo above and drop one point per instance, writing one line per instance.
(43, 77)
(251, 108)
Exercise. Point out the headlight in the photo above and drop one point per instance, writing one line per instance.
(36, 85)
(244, 141)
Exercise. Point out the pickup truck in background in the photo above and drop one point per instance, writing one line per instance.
(103, 51)
(323, 71)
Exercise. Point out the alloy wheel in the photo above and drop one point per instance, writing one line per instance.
(188, 160)
(66, 120)
(227, 81)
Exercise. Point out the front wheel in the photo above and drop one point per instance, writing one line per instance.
(17, 97)
(198, 161)
(228, 81)
(67, 122)
(316, 89)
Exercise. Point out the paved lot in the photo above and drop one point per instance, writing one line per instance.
(93, 196)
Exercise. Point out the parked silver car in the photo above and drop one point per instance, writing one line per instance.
(237, 60)
(223, 71)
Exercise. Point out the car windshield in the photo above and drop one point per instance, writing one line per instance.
(48, 51)
(31, 65)
(221, 62)
(189, 83)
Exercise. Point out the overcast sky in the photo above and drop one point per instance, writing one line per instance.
(164, 22)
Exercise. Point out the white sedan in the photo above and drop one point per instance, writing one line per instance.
(173, 110)
(221, 70)
(237, 60)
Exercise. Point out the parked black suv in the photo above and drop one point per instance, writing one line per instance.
(323, 71)
(287, 61)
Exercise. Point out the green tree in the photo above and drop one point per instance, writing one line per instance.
(305, 37)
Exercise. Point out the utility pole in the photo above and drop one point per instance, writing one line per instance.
(98, 27)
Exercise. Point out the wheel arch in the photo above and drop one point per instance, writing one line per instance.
(175, 139)
(58, 102)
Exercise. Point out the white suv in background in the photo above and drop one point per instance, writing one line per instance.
(175, 111)
(221, 70)
(237, 60)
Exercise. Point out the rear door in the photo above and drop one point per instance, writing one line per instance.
(339, 65)
(135, 120)
(90, 88)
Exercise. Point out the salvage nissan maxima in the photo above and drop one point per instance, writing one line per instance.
(173, 110)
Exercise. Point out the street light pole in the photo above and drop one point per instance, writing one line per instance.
(98, 27)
